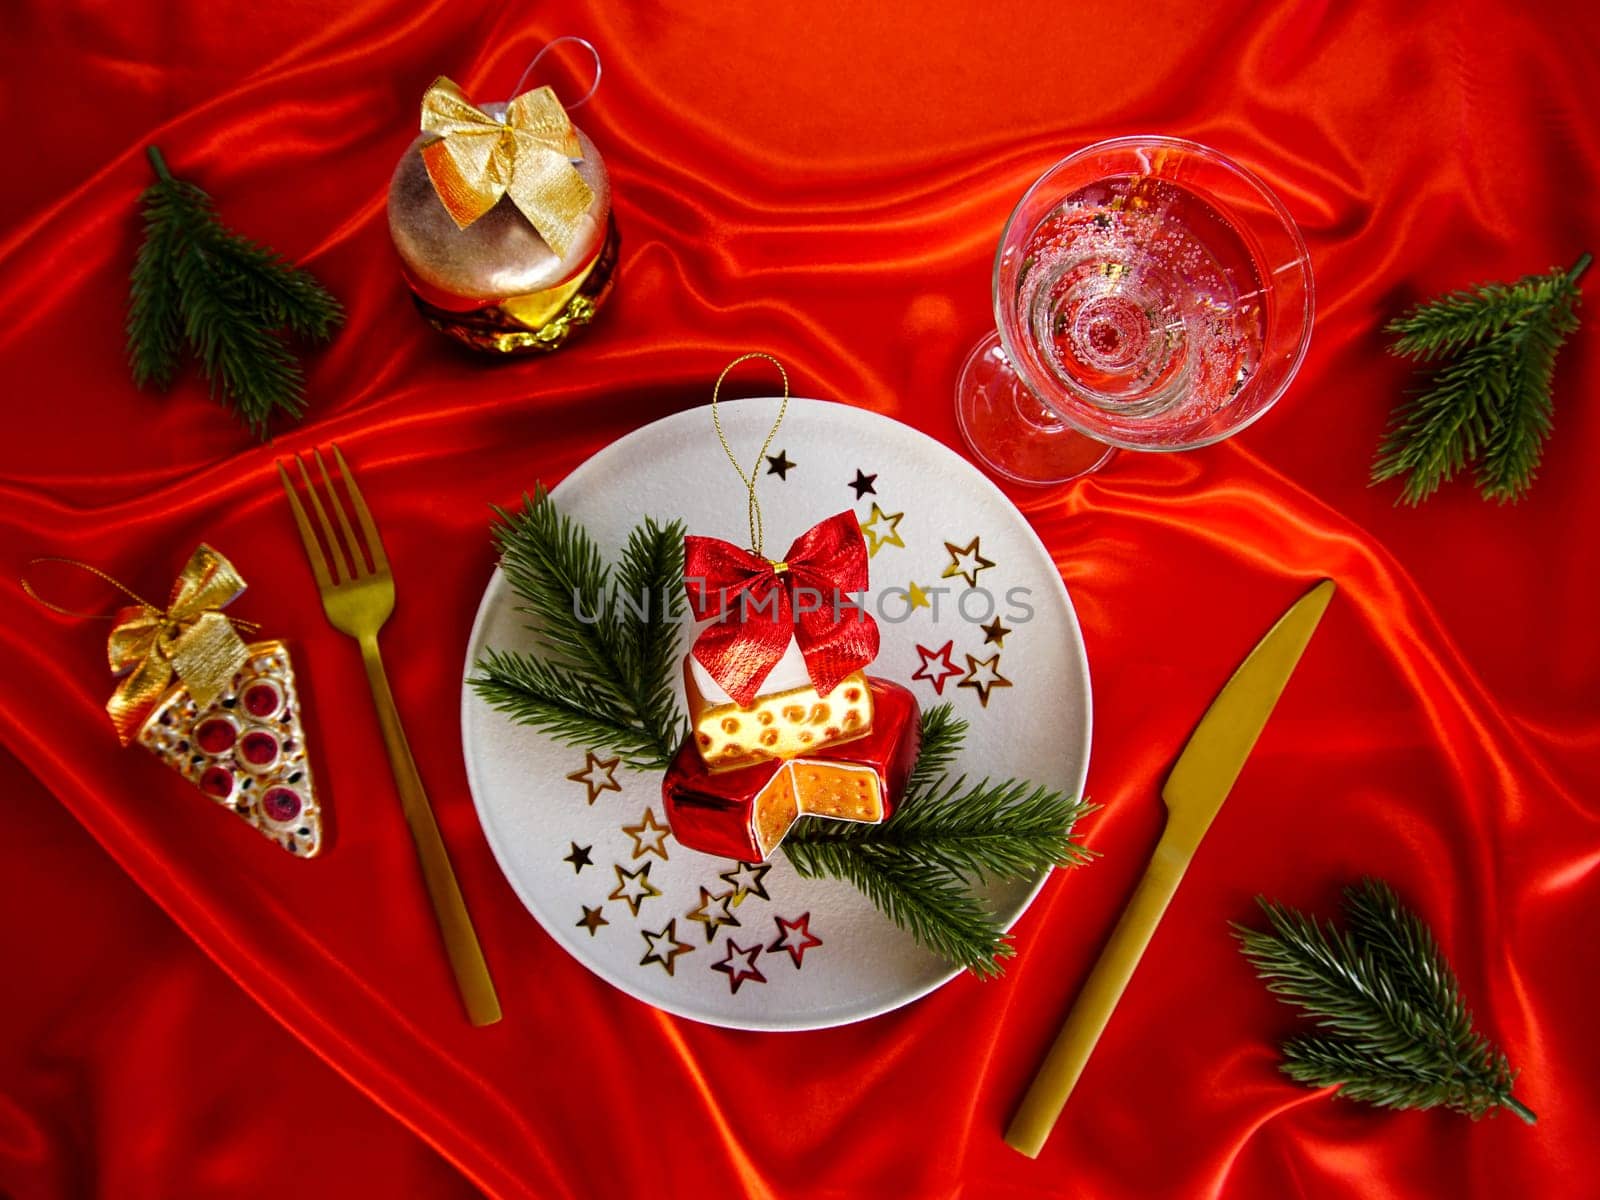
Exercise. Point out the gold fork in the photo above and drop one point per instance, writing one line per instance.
(358, 600)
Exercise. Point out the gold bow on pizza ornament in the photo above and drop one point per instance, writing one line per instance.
(191, 640)
(475, 158)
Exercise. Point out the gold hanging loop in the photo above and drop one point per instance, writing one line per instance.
(749, 480)
(83, 566)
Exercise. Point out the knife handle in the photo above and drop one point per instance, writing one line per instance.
(1058, 1075)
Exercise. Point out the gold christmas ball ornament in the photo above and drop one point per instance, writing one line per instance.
(478, 206)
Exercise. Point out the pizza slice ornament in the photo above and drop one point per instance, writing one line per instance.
(222, 713)
(784, 721)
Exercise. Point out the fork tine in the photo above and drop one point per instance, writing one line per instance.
(341, 572)
(380, 561)
(319, 564)
(358, 564)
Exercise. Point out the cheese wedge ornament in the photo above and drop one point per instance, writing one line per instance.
(744, 813)
(223, 714)
(777, 723)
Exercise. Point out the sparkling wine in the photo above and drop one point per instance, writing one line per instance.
(1142, 299)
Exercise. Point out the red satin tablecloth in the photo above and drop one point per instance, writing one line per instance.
(187, 1012)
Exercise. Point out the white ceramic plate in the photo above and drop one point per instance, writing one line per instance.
(1034, 728)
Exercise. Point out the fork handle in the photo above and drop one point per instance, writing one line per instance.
(460, 940)
(1058, 1075)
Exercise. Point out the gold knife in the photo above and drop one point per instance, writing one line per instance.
(1199, 783)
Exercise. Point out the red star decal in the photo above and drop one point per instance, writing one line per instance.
(796, 937)
(739, 964)
(936, 666)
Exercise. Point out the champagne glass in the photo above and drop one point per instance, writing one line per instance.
(1149, 294)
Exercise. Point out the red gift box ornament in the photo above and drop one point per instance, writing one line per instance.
(810, 595)
(223, 714)
(813, 737)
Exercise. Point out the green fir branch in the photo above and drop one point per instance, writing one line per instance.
(155, 318)
(1523, 400)
(565, 706)
(199, 285)
(1460, 319)
(247, 365)
(1490, 402)
(285, 297)
(943, 734)
(935, 907)
(649, 591)
(600, 676)
(942, 838)
(557, 572)
(1395, 1030)
(986, 831)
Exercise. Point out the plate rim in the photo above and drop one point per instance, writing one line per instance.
(496, 583)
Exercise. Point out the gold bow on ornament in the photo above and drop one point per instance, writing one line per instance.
(477, 158)
(190, 639)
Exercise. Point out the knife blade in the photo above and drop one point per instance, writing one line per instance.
(1196, 787)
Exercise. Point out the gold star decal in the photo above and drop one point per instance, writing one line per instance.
(916, 598)
(597, 775)
(746, 879)
(994, 632)
(648, 837)
(592, 920)
(713, 913)
(666, 940)
(634, 887)
(882, 529)
(983, 675)
(966, 562)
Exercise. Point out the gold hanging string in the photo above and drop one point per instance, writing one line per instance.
(749, 480)
(82, 566)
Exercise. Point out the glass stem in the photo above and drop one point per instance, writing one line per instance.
(1030, 409)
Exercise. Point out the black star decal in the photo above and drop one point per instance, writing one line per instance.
(778, 464)
(579, 858)
(863, 483)
(994, 632)
(591, 919)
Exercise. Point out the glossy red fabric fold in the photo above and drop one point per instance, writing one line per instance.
(825, 182)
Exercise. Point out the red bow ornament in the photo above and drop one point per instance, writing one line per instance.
(810, 595)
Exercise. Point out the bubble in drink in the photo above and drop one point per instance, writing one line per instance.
(1142, 299)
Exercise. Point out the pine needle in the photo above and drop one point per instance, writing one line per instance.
(199, 285)
(1395, 1030)
(1490, 403)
